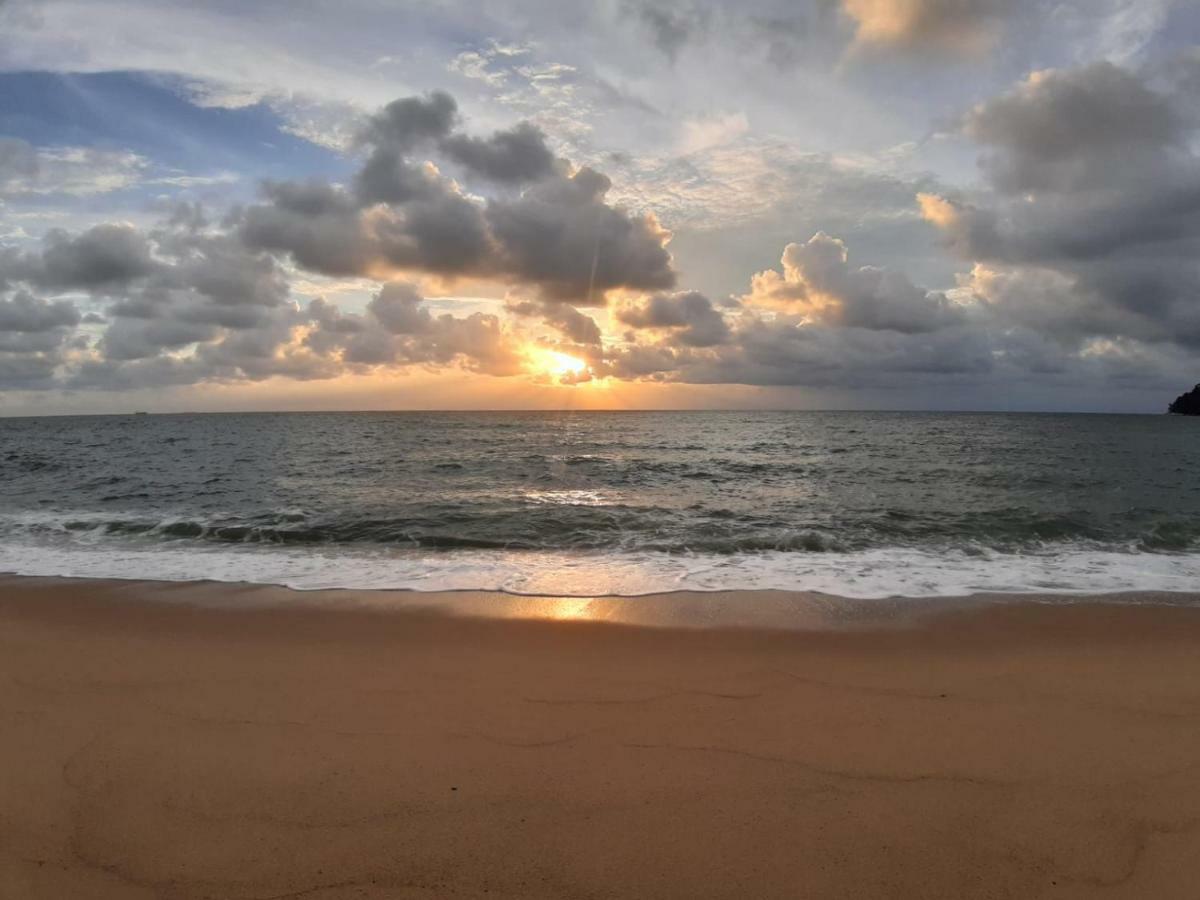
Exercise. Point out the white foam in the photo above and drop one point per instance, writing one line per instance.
(868, 574)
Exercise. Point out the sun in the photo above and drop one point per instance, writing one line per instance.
(555, 363)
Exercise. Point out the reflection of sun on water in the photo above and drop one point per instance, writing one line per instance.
(578, 609)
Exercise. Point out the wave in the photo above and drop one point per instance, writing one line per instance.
(877, 573)
(587, 521)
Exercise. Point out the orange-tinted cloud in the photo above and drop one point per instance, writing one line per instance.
(956, 27)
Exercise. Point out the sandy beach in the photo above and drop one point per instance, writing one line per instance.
(158, 741)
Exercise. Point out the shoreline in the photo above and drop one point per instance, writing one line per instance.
(768, 608)
(157, 747)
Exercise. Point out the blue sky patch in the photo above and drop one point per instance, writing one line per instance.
(151, 116)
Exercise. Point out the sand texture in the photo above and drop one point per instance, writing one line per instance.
(169, 750)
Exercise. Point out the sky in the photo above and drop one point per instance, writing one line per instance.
(869, 204)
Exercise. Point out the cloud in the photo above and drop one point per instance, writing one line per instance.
(407, 123)
(818, 283)
(1077, 251)
(689, 317)
(199, 306)
(33, 336)
(317, 223)
(712, 131)
(210, 309)
(398, 330)
(562, 236)
(821, 323)
(1093, 189)
(26, 171)
(103, 255)
(18, 163)
(558, 235)
(515, 155)
(1068, 130)
(959, 27)
(27, 314)
(563, 318)
(398, 308)
(671, 27)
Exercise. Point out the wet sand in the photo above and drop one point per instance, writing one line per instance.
(159, 741)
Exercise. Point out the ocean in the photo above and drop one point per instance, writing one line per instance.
(862, 504)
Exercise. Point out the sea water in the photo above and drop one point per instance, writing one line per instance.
(862, 504)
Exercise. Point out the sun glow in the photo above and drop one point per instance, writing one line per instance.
(556, 364)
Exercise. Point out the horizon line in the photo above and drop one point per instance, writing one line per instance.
(765, 409)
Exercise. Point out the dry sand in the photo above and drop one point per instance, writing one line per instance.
(169, 750)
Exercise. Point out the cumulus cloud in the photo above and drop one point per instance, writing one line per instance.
(689, 317)
(398, 330)
(818, 283)
(28, 314)
(103, 255)
(402, 215)
(409, 122)
(191, 301)
(563, 318)
(174, 296)
(34, 333)
(186, 304)
(562, 236)
(819, 322)
(1093, 177)
(1069, 130)
(515, 155)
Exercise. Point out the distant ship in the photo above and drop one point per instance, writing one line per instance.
(141, 412)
